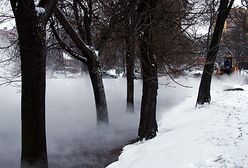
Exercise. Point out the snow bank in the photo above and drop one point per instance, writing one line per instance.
(214, 135)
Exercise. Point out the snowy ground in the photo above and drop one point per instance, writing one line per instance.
(209, 136)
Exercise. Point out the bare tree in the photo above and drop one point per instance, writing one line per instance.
(121, 17)
(204, 89)
(87, 54)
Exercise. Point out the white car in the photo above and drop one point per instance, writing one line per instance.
(59, 74)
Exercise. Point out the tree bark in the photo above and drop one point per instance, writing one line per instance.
(98, 88)
(204, 89)
(148, 124)
(130, 74)
(33, 72)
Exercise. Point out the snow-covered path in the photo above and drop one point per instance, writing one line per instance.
(227, 131)
(214, 135)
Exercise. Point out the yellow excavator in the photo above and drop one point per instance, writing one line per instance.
(228, 66)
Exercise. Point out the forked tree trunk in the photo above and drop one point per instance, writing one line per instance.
(204, 89)
(94, 70)
(93, 67)
(33, 62)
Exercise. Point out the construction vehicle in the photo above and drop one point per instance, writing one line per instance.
(227, 66)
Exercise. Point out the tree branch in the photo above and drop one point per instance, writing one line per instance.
(73, 35)
(65, 46)
(49, 6)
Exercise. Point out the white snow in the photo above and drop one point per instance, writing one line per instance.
(213, 135)
(39, 10)
(67, 56)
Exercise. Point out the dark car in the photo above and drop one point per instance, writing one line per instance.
(106, 75)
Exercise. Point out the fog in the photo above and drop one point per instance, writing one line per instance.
(73, 139)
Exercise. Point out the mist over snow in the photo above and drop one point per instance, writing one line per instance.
(73, 138)
(10, 117)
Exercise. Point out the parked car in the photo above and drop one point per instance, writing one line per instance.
(136, 75)
(72, 75)
(65, 74)
(106, 75)
(59, 74)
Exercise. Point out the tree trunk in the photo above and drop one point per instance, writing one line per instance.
(34, 150)
(148, 124)
(204, 89)
(99, 93)
(93, 67)
(33, 62)
(130, 74)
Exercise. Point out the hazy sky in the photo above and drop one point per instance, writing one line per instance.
(237, 2)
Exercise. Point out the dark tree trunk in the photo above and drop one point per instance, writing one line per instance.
(130, 74)
(33, 62)
(93, 67)
(148, 124)
(204, 89)
(99, 94)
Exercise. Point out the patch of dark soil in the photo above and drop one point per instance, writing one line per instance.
(234, 89)
(113, 155)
